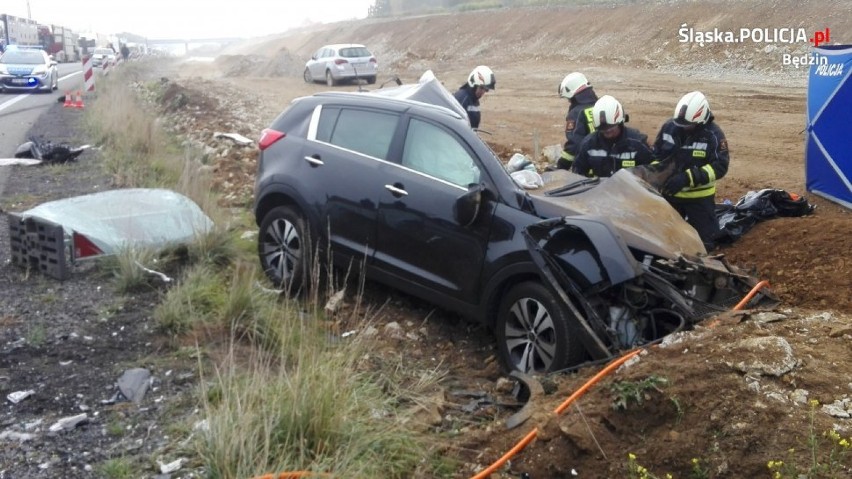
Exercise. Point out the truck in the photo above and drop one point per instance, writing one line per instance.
(60, 42)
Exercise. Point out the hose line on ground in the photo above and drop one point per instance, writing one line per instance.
(751, 294)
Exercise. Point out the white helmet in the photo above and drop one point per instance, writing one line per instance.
(482, 76)
(572, 84)
(692, 109)
(607, 111)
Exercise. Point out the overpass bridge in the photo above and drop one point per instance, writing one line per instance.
(183, 45)
(171, 41)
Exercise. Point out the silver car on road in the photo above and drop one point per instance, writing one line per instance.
(25, 69)
(340, 62)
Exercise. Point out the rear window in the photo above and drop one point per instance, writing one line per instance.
(103, 51)
(354, 52)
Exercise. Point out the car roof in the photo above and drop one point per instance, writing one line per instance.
(12, 56)
(427, 93)
(25, 48)
(338, 46)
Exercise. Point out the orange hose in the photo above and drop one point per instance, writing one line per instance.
(292, 475)
(520, 445)
(751, 294)
(532, 434)
(597, 377)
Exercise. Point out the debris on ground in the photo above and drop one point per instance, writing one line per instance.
(44, 152)
(53, 235)
(134, 383)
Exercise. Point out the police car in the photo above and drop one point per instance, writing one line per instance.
(27, 69)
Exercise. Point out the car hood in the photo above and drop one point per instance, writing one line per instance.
(20, 68)
(644, 219)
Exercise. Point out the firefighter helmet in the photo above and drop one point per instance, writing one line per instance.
(572, 84)
(607, 112)
(482, 76)
(692, 109)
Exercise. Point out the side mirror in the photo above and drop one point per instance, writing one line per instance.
(313, 57)
(467, 206)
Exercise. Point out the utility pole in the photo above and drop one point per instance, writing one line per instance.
(29, 13)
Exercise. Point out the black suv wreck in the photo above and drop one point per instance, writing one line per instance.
(396, 180)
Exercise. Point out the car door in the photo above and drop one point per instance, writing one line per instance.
(345, 149)
(420, 247)
(317, 64)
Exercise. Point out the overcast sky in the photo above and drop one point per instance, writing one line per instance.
(185, 18)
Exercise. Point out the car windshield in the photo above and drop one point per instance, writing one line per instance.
(23, 57)
(103, 51)
(354, 52)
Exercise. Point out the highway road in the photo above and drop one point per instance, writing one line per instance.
(20, 111)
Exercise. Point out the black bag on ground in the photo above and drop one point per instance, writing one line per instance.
(737, 219)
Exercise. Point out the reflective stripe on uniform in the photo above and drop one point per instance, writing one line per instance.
(590, 118)
(711, 173)
(697, 192)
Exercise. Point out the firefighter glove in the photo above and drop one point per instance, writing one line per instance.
(676, 182)
(699, 176)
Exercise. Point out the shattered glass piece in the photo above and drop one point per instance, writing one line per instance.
(134, 383)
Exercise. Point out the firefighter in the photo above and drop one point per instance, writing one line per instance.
(575, 87)
(480, 81)
(697, 146)
(612, 145)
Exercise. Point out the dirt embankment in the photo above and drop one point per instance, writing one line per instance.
(663, 35)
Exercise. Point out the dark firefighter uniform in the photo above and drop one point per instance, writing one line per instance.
(701, 157)
(466, 96)
(578, 124)
(600, 157)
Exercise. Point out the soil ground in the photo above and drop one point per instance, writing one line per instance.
(733, 394)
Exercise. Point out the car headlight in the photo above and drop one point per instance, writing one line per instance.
(4, 70)
(39, 70)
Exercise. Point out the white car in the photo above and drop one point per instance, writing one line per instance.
(103, 56)
(334, 64)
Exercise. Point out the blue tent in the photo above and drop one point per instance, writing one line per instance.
(828, 151)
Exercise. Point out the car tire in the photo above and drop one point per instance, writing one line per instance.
(371, 80)
(284, 249)
(307, 76)
(329, 80)
(535, 332)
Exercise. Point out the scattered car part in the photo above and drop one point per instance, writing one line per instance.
(54, 235)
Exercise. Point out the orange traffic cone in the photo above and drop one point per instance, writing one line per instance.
(79, 102)
(68, 103)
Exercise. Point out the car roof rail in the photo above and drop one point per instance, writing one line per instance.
(388, 99)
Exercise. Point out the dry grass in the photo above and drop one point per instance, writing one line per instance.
(288, 395)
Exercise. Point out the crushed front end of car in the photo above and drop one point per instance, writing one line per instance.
(621, 310)
(633, 277)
